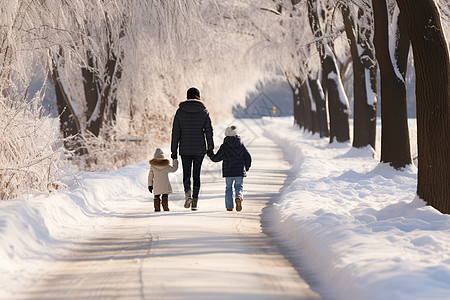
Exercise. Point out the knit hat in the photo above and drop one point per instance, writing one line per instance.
(193, 93)
(231, 131)
(158, 153)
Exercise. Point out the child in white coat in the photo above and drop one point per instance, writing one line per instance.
(158, 179)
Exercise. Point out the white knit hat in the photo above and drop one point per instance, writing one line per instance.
(158, 153)
(231, 131)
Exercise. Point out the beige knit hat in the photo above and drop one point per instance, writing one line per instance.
(158, 153)
(231, 131)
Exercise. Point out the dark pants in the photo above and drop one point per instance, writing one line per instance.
(192, 164)
(164, 195)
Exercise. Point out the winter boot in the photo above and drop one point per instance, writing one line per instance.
(238, 201)
(157, 204)
(194, 204)
(188, 196)
(165, 203)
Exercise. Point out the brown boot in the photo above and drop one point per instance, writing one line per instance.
(157, 204)
(165, 203)
(238, 201)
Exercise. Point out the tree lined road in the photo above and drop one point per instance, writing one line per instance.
(208, 254)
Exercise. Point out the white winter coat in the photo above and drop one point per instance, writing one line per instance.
(158, 176)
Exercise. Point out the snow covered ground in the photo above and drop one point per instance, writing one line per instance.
(357, 223)
(352, 225)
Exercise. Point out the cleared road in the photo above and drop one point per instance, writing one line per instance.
(207, 254)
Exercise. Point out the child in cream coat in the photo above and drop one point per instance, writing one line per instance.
(158, 179)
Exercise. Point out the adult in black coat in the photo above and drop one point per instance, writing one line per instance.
(192, 133)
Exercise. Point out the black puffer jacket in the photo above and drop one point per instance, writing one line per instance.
(235, 157)
(192, 129)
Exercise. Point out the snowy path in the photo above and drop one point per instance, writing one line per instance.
(208, 254)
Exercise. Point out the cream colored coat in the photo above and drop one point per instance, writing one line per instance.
(158, 176)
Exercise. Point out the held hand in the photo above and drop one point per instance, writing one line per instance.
(150, 188)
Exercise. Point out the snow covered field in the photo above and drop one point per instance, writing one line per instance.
(354, 226)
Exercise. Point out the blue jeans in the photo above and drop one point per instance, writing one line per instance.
(238, 190)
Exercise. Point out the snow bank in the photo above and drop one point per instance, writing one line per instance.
(32, 231)
(363, 232)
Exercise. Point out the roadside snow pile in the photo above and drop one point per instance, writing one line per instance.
(32, 231)
(363, 232)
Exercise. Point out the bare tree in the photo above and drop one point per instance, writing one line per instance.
(364, 75)
(29, 141)
(337, 101)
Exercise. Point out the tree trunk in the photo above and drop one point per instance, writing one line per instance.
(111, 108)
(97, 99)
(395, 147)
(431, 61)
(69, 122)
(100, 95)
(311, 108)
(337, 100)
(294, 100)
(364, 68)
(91, 88)
(337, 106)
(299, 115)
(319, 96)
(303, 104)
(307, 102)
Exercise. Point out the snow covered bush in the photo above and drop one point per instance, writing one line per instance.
(102, 154)
(29, 148)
